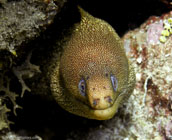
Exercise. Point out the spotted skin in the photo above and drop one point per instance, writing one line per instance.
(92, 76)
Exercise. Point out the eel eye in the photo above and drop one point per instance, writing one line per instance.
(114, 82)
(82, 87)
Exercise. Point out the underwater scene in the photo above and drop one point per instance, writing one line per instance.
(85, 70)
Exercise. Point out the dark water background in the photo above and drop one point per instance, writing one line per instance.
(124, 15)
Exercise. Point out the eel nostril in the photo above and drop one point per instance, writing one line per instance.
(95, 102)
(108, 99)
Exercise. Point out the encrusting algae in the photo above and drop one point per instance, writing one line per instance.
(167, 31)
(150, 105)
(92, 76)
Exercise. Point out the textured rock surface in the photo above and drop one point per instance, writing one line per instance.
(24, 20)
(21, 21)
(151, 101)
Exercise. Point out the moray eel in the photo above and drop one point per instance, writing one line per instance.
(92, 76)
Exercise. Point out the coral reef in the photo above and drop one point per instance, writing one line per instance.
(21, 21)
(26, 69)
(3, 117)
(6, 93)
(24, 20)
(167, 30)
(12, 136)
(151, 101)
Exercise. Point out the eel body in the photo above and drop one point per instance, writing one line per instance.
(92, 76)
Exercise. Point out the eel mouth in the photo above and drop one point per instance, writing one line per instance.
(108, 113)
(104, 114)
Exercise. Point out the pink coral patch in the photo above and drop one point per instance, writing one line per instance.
(154, 33)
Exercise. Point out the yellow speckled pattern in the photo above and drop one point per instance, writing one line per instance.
(167, 31)
(93, 53)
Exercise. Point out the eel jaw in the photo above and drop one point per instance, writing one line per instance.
(108, 113)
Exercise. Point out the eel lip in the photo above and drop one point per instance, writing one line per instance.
(108, 113)
(104, 114)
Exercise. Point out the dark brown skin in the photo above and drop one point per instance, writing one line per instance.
(93, 75)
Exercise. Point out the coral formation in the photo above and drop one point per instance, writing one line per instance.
(151, 101)
(3, 116)
(12, 136)
(26, 69)
(6, 93)
(167, 30)
(154, 33)
(24, 20)
(21, 22)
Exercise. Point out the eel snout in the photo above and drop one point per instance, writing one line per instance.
(100, 94)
